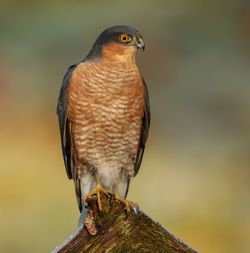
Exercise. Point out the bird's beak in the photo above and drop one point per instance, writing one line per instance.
(140, 43)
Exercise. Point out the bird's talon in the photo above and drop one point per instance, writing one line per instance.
(127, 214)
(97, 191)
(127, 203)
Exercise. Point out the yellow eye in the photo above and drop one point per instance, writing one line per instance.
(125, 38)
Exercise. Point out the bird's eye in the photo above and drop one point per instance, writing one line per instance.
(125, 38)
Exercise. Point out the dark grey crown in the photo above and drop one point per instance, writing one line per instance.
(111, 34)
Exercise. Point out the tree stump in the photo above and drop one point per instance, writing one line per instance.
(113, 230)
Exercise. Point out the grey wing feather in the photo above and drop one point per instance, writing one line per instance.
(144, 130)
(64, 124)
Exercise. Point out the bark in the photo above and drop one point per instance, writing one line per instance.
(113, 230)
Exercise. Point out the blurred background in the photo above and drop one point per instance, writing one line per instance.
(194, 178)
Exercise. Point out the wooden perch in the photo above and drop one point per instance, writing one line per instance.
(114, 231)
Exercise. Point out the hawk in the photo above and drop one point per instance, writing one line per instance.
(104, 116)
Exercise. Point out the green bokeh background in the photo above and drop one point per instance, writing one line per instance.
(195, 174)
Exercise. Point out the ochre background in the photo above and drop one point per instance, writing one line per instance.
(195, 175)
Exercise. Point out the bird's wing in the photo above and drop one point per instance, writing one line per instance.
(144, 130)
(64, 123)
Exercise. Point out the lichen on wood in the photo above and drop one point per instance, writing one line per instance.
(116, 231)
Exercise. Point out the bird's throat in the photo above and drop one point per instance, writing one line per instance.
(115, 52)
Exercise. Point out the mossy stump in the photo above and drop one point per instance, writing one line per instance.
(112, 230)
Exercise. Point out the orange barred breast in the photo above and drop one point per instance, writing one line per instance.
(105, 107)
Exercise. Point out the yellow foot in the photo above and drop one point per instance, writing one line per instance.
(97, 191)
(127, 203)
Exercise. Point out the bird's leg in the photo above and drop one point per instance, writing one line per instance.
(124, 201)
(97, 191)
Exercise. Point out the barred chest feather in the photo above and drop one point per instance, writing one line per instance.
(105, 107)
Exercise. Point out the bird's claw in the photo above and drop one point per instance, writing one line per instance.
(127, 204)
(97, 191)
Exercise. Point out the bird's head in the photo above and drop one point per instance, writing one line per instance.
(117, 43)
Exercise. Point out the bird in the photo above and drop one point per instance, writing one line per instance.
(104, 117)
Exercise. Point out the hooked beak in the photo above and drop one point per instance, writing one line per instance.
(140, 43)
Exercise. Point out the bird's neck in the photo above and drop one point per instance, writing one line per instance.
(118, 54)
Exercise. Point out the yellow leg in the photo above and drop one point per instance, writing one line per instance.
(124, 201)
(97, 191)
